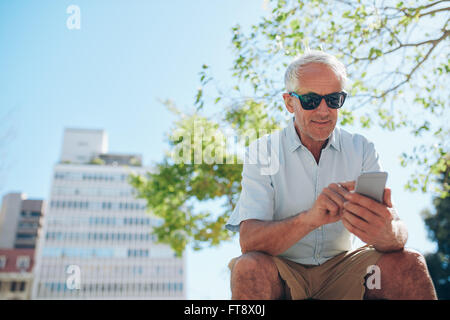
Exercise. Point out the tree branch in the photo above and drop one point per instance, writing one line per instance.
(403, 10)
(433, 4)
(433, 41)
(434, 11)
(408, 77)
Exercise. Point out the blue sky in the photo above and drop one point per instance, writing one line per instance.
(111, 74)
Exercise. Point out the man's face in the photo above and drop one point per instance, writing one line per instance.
(315, 126)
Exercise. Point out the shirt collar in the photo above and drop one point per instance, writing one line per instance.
(295, 142)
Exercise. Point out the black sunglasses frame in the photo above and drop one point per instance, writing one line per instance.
(311, 101)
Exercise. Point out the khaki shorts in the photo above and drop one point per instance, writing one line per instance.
(341, 277)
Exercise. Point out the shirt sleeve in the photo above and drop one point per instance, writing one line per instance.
(371, 159)
(256, 200)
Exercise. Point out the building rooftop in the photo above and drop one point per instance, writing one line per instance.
(90, 146)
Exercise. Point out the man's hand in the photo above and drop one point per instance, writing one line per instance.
(371, 221)
(328, 207)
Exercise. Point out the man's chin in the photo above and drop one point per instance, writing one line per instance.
(322, 132)
(321, 135)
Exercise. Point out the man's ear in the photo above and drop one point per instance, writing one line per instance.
(288, 102)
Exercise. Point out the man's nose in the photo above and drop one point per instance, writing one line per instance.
(323, 107)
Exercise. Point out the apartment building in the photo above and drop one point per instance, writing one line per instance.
(97, 241)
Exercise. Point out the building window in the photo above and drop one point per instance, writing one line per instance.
(13, 286)
(25, 236)
(2, 262)
(23, 262)
(22, 286)
(25, 213)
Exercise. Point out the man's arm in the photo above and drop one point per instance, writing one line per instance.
(275, 237)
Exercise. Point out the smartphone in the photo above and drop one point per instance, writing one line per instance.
(372, 184)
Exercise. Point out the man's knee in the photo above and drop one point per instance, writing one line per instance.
(403, 266)
(406, 259)
(254, 262)
(255, 275)
(404, 275)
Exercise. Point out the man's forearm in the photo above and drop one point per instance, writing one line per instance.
(274, 237)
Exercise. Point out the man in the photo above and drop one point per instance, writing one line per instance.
(297, 224)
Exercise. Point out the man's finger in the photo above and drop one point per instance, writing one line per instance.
(370, 204)
(338, 188)
(334, 196)
(355, 220)
(349, 185)
(353, 229)
(360, 212)
(331, 206)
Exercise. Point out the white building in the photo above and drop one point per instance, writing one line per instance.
(80, 146)
(96, 241)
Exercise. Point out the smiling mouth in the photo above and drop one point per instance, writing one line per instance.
(321, 122)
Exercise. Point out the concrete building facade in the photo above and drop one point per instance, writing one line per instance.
(20, 221)
(16, 273)
(97, 241)
(20, 227)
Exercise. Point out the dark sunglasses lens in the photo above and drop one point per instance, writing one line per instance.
(335, 100)
(310, 101)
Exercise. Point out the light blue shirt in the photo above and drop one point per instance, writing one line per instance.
(283, 179)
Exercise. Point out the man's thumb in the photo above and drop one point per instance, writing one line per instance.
(387, 197)
(349, 185)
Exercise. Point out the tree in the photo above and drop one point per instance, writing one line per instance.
(395, 52)
(438, 227)
(97, 161)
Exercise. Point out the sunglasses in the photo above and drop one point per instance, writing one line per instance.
(311, 101)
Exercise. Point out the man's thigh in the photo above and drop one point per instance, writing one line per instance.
(344, 277)
(295, 278)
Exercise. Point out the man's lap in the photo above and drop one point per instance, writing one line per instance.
(341, 277)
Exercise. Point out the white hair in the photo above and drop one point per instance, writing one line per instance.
(294, 70)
